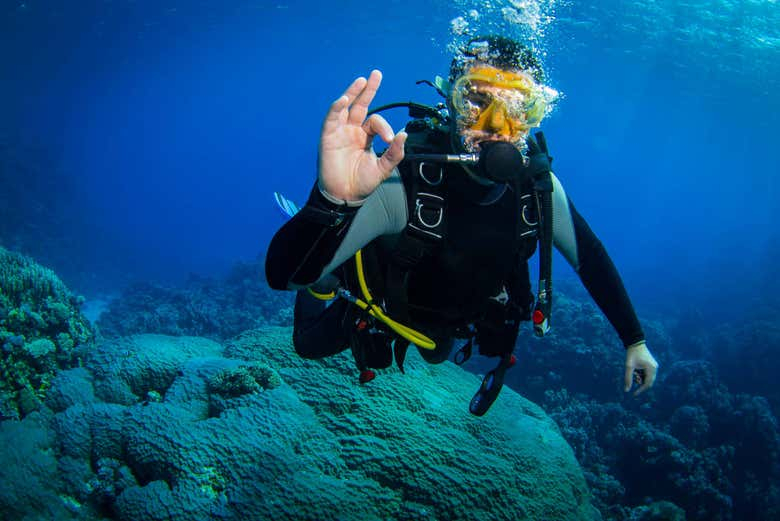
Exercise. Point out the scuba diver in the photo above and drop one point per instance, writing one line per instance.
(429, 241)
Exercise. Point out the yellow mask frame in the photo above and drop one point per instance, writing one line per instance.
(489, 99)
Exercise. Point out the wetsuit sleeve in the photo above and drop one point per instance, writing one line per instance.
(322, 235)
(584, 251)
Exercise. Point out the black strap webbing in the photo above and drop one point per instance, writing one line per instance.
(543, 186)
(426, 228)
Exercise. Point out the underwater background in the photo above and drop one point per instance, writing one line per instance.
(147, 371)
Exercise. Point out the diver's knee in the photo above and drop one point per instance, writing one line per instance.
(438, 354)
(306, 347)
(323, 338)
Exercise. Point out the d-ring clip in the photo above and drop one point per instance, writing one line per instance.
(424, 178)
(435, 203)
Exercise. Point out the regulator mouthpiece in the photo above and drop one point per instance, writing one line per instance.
(500, 161)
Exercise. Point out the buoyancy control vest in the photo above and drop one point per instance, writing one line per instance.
(481, 244)
(459, 268)
(464, 247)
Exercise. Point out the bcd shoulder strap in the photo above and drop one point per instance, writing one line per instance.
(425, 186)
(543, 187)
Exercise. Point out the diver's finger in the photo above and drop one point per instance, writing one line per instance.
(377, 125)
(648, 380)
(354, 90)
(642, 388)
(629, 377)
(359, 109)
(337, 112)
(393, 155)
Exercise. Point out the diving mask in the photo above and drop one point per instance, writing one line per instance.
(492, 104)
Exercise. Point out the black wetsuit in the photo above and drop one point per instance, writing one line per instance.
(473, 270)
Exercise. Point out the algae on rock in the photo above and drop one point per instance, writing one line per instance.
(40, 328)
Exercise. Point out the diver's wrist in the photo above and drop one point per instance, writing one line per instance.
(320, 210)
(341, 203)
(328, 204)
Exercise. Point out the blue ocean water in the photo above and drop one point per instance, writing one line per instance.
(174, 122)
(148, 137)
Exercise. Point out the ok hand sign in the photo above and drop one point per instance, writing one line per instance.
(349, 170)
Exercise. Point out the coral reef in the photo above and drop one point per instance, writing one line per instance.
(41, 328)
(147, 420)
(216, 309)
(746, 354)
(643, 458)
(691, 441)
(293, 439)
(244, 379)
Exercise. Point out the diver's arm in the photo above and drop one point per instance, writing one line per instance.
(322, 235)
(329, 229)
(583, 250)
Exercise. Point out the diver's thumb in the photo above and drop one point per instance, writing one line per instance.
(393, 155)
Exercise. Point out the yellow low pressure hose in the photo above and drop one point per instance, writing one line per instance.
(322, 296)
(413, 336)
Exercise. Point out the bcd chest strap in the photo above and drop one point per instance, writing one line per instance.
(425, 185)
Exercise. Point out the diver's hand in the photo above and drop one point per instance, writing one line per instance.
(641, 368)
(349, 170)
